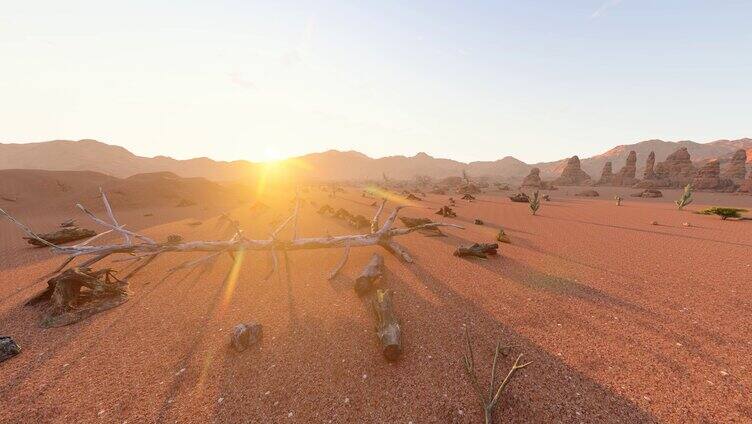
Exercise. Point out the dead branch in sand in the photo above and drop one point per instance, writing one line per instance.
(488, 402)
(142, 251)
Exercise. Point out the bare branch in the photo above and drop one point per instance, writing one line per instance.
(375, 220)
(341, 264)
(108, 208)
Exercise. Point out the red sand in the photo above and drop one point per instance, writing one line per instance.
(625, 322)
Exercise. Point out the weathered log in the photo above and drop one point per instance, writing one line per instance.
(63, 235)
(78, 293)
(480, 250)
(246, 335)
(414, 222)
(387, 325)
(8, 348)
(520, 198)
(371, 275)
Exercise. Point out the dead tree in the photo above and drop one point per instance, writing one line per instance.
(142, 250)
(488, 402)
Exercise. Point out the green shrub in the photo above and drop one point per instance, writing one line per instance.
(686, 197)
(534, 202)
(724, 213)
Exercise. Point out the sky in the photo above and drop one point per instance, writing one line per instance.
(467, 80)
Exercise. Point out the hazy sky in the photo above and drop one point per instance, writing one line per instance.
(461, 79)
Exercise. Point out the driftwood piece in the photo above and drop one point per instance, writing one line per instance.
(78, 293)
(414, 222)
(61, 236)
(246, 335)
(479, 250)
(520, 198)
(184, 203)
(370, 275)
(446, 212)
(68, 223)
(387, 325)
(8, 348)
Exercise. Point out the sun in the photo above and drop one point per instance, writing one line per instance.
(272, 155)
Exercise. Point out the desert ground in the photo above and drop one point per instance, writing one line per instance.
(624, 321)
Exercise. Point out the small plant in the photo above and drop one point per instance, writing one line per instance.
(534, 202)
(488, 401)
(724, 213)
(618, 200)
(686, 197)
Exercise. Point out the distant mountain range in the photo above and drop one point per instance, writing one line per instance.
(92, 155)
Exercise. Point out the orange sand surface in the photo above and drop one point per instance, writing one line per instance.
(624, 321)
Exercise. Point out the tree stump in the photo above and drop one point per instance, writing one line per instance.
(78, 293)
(371, 274)
(8, 348)
(246, 335)
(387, 325)
(63, 235)
(446, 212)
(479, 250)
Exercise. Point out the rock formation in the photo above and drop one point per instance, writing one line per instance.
(737, 167)
(649, 173)
(626, 176)
(607, 175)
(709, 178)
(676, 171)
(573, 175)
(532, 179)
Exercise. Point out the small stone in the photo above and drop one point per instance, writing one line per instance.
(654, 223)
(246, 335)
(686, 224)
(8, 348)
(289, 414)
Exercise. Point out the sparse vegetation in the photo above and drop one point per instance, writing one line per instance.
(494, 393)
(686, 197)
(724, 213)
(535, 202)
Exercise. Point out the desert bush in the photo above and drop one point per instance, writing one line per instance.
(535, 202)
(686, 197)
(724, 213)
